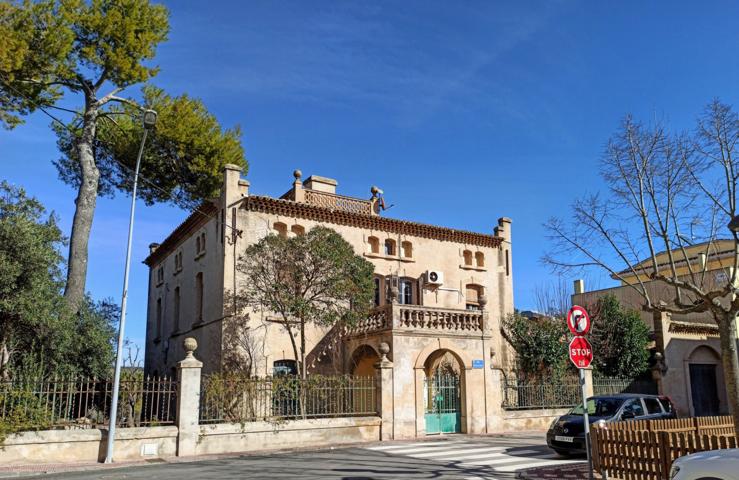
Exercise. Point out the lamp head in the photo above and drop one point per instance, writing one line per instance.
(150, 118)
(734, 224)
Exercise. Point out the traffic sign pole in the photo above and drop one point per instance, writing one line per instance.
(586, 419)
(581, 354)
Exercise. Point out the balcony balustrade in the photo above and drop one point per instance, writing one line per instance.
(420, 318)
(338, 202)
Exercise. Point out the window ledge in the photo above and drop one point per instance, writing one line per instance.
(159, 284)
(472, 267)
(390, 257)
(176, 272)
(200, 255)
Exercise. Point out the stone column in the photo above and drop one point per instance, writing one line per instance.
(188, 400)
(588, 381)
(385, 393)
(298, 192)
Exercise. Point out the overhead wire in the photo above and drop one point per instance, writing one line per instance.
(169, 195)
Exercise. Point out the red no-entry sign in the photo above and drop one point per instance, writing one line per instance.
(581, 352)
(578, 321)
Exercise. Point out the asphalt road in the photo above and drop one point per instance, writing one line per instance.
(452, 457)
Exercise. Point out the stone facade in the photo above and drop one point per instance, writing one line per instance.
(423, 322)
(686, 349)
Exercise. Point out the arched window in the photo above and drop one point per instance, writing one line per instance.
(199, 297)
(472, 296)
(378, 291)
(280, 228)
(298, 229)
(374, 245)
(480, 259)
(406, 292)
(177, 309)
(158, 327)
(390, 247)
(467, 257)
(407, 249)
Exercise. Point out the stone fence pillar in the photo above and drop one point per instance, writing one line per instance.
(188, 400)
(588, 381)
(385, 393)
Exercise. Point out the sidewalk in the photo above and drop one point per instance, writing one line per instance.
(564, 472)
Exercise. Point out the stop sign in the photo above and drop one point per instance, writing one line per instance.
(581, 352)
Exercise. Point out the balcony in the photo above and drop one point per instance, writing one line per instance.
(418, 318)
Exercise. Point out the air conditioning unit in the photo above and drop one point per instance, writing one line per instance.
(435, 277)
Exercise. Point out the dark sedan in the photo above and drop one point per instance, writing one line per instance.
(566, 434)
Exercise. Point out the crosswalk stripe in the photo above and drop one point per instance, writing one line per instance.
(488, 452)
(428, 444)
(406, 445)
(499, 459)
(420, 452)
(456, 451)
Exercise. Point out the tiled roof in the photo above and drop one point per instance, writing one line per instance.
(200, 216)
(367, 221)
(291, 208)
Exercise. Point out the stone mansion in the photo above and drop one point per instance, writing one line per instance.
(440, 296)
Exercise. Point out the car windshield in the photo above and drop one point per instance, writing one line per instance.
(600, 407)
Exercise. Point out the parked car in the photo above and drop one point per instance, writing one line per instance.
(566, 434)
(710, 465)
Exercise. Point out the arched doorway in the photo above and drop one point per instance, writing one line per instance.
(705, 373)
(362, 364)
(443, 393)
(362, 361)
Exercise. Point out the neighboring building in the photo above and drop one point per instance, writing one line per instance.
(688, 364)
(441, 294)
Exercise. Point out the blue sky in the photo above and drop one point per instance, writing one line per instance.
(461, 111)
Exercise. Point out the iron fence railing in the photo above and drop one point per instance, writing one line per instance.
(613, 385)
(526, 396)
(59, 402)
(240, 399)
(565, 394)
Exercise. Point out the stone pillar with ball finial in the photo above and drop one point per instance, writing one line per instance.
(188, 400)
(385, 392)
(298, 192)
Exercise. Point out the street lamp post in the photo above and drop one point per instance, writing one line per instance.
(149, 120)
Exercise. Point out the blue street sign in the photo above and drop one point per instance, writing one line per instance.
(478, 364)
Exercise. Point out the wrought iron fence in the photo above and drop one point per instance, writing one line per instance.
(612, 385)
(240, 399)
(59, 402)
(524, 396)
(567, 393)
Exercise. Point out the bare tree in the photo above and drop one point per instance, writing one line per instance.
(660, 186)
(552, 298)
(241, 347)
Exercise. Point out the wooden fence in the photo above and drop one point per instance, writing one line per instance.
(645, 449)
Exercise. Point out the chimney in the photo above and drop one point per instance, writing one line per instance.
(244, 187)
(579, 286)
(231, 191)
(153, 247)
(320, 184)
(504, 228)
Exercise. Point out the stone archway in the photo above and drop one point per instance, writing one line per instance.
(362, 361)
(706, 390)
(443, 398)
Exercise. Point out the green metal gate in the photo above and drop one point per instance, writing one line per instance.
(442, 402)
